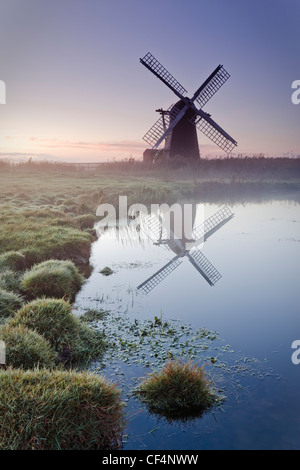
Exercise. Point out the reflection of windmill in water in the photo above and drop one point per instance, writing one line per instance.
(178, 125)
(185, 246)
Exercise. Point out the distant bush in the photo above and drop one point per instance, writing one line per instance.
(52, 278)
(9, 303)
(12, 260)
(73, 340)
(59, 410)
(25, 348)
(178, 389)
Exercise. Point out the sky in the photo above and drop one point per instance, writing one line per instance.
(76, 90)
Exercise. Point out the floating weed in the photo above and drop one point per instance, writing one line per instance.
(92, 315)
(150, 343)
(133, 265)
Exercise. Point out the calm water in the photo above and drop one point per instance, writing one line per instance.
(254, 308)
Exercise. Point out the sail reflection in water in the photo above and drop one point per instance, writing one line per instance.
(155, 226)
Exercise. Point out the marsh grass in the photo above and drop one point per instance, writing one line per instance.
(10, 302)
(40, 235)
(147, 194)
(59, 410)
(52, 278)
(10, 280)
(26, 348)
(178, 390)
(74, 341)
(86, 221)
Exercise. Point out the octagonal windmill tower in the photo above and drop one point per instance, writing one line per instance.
(177, 126)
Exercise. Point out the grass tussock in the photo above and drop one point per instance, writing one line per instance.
(106, 271)
(52, 278)
(73, 341)
(14, 260)
(26, 349)
(43, 410)
(10, 280)
(178, 390)
(10, 302)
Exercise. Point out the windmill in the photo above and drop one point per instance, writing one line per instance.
(155, 227)
(178, 125)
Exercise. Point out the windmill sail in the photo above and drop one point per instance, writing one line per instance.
(155, 67)
(160, 275)
(214, 132)
(155, 228)
(160, 127)
(211, 86)
(205, 268)
(152, 225)
(212, 224)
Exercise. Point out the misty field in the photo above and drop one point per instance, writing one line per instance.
(49, 209)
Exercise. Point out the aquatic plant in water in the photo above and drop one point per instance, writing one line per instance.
(106, 271)
(178, 389)
(150, 343)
